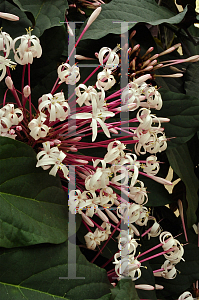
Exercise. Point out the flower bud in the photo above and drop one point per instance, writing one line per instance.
(26, 91)
(9, 17)
(9, 82)
(94, 16)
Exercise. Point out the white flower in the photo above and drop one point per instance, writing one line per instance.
(38, 128)
(53, 158)
(92, 240)
(126, 243)
(105, 80)
(155, 229)
(5, 62)
(15, 115)
(78, 201)
(113, 59)
(5, 43)
(97, 116)
(5, 122)
(114, 152)
(86, 95)
(186, 296)
(129, 212)
(69, 75)
(127, 266)
(152, 165)
(48, 152)
(170, 271)
(28, 49)
(56, 105)
(138, 193)
(129, 96)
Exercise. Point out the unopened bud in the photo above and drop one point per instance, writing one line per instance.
(146, 287)
(18, 128)
(26, 91)
(9, 82)
(57, 142)
(93, 16)
(9, 17)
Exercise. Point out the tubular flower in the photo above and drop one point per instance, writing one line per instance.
(69, 75)
(5, 62)
(5, 123)
(186, 296)
(105, 80)
(38, 128)
(28, 49)
(97, 116)
(86, 95)
(56, 105)
(5, 43)
(127, 266)
(49, 157)
(112, 60)
(131, 95)
(15, 115)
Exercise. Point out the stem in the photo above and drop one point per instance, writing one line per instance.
(22, 82)
(106, 242)
(30, 106)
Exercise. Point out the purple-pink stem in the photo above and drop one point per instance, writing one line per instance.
(108, 261)
(30, 106)
(88, 228)
(4, 98)
(22, 82)
(114, 230)
(158, 254)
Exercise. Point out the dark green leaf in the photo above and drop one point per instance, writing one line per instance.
(183, 112)
(132, 11)
(33, 204)
(47, 14)
(125, 290)
(192, 80)
(34, 273)
(182, 165)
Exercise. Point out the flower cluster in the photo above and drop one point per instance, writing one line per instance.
(107, 187)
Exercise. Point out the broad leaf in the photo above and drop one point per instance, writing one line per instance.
(33, 205)
(39, 272)
(47, 14)
(192, 80)
(132, 11)
(125, 289)
(183, 112)
(182, 164)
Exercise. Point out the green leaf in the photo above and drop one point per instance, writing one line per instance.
(183, 112)
(47, 14)
(131, 11)
(192, 80)
(16, 28)
(182, 165)
(35, 273)
(125, 290)
(33, 204)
